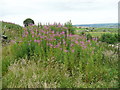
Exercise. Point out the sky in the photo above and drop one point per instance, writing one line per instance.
(44, 11)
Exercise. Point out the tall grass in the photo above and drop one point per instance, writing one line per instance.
(41, 74)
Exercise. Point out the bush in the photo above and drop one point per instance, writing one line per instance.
(89, 36)
(28, 21)
(82, 33)
(109, 38)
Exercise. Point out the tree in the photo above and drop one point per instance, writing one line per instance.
(70, 27)
(28, 21)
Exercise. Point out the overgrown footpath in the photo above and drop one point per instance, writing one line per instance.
(50, 56)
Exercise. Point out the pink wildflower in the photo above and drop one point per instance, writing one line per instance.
(23, 35)
(65, 28)
(35, 40)
(59, 25)
(72, 45)
(65, 50)
(38, 41)
(81, 42)
(32, 32)
(84, 46)
(70, 35)
(52, 32)
(89, 41)
(76, 42)
(62, 32)
(60, 48)
(95, 39)
(26, 32)
(50, 45)
(41, 36)
(45, 27)
(73, 50)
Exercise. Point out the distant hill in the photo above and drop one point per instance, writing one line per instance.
(106, 25)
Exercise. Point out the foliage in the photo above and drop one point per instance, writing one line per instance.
(82, 33)
(70, 27)
(28, 21)
(89, 36)
(109, 38)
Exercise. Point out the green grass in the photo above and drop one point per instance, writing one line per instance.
(40, 74)
(98, 34)
(12, 31)
(99, 29)
(79, 29)
(106, 30)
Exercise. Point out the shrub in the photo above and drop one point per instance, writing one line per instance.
(28, 21)
(82, 33)
(89, 36)
(109, 38)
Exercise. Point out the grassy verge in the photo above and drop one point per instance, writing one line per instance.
(40, 74)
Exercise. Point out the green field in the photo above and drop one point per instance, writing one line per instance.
(97, 32)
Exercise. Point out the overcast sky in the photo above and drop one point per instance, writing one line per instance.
(78, 11)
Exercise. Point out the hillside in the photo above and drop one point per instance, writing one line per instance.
(9, 25)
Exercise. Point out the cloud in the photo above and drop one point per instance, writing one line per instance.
(79, 11)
